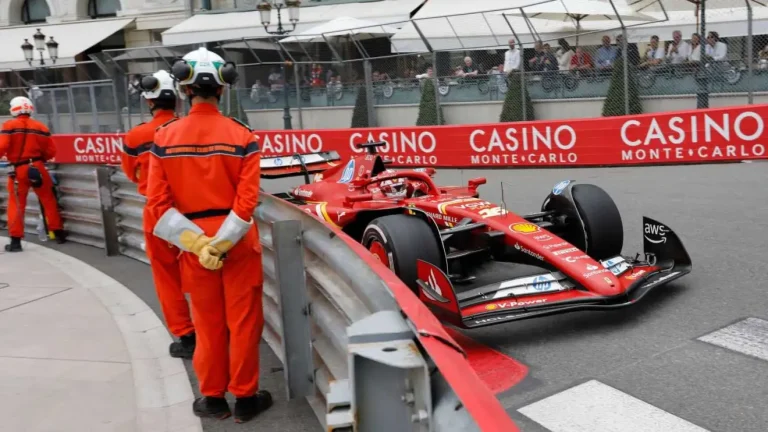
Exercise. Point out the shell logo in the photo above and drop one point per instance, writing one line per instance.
(525, 228)
(490, 307)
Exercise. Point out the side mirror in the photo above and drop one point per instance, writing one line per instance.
(475, 182)
(357, 198)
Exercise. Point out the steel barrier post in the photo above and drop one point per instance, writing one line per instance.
(294, 308)
(389, 379)
(108, 215)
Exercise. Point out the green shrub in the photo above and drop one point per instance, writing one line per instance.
(360, 114)
(428, 106)
(512, 110)
(614, 101)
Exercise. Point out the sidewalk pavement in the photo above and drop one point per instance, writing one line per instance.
(80, 352)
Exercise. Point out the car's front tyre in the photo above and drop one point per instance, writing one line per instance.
(399, 241)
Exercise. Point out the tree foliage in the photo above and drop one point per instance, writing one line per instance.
(232, 107)
(428, 106)
(360, 113)
(614, 101)
(512, 110)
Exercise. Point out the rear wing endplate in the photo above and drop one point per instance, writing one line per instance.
(297, 164)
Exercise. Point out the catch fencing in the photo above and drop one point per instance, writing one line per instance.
(464, 57)
(354, 340)
(75, 98)
(459, 57)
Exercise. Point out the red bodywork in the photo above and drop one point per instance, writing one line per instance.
(340, 192)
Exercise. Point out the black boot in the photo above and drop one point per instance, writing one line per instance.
(184, 348)
(61, 236)
(249, 407)
(214, 407)
(14, 246)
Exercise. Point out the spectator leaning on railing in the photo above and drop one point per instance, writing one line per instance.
(564, 54)
(695, 55)
(606, 54)
(678, 50)
(654, 55)
(469, 69)
(716, 49)
(581, 60)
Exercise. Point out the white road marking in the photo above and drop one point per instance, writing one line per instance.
(596, 407)
(749, 337)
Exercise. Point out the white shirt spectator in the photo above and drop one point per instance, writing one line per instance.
(695, 54)
(511, 60)
(564, 58)
(718, 52)
(654, 54)
(682, 54)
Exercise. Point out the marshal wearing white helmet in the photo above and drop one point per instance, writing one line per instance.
(202, 191)
(159, 90)
(203, 73)
(27, 144)
(21, 105)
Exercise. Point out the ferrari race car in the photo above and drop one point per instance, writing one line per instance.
(473, 262)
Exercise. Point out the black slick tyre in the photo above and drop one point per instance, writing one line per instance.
(603, 227)
(398, 241)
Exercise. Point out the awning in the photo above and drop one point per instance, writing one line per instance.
(211, 27)
(489, 30)
(727, 21)
(73, 39)
(461, 24)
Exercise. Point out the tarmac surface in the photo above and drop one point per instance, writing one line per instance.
(645, 368)
(692, 356)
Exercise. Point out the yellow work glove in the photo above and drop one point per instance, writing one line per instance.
(194, 242)
(211, 257)
(231, 231)
(138, 172)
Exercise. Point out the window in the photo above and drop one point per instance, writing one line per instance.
(103, 8)
(34, 11)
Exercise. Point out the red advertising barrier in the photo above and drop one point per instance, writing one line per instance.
(712, 135)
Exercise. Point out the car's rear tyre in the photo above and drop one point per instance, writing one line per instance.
(398, 241)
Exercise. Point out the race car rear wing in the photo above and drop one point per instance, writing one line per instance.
(297, 164)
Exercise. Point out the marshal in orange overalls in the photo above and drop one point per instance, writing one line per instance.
(27, 142)
(203, 184)
(163, 256)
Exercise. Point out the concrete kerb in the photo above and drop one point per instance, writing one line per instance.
(163, 392)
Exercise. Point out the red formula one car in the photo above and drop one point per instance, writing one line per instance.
(473, 262)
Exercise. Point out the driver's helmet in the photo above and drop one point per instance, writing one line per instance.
(394, 188)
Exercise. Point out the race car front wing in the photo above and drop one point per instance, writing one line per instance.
(665, 259)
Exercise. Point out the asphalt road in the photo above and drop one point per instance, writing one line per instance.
(638, 369)
(651, 352)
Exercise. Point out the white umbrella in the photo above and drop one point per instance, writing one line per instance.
(578, 11)
(343, 27)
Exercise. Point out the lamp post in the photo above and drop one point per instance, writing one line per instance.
(265, 9)
(29, 55)
(40, 45)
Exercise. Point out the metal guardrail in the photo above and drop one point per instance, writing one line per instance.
(363, 361)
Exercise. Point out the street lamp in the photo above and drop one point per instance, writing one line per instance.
(265, 10)
(40, 45)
